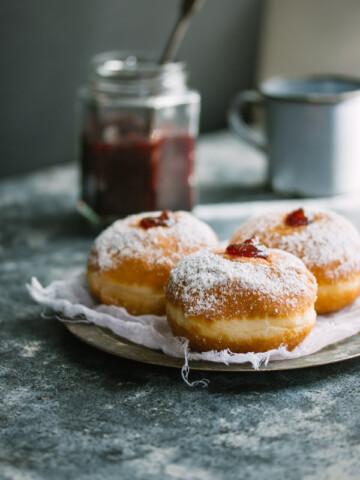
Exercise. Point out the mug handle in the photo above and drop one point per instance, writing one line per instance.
(237, 122)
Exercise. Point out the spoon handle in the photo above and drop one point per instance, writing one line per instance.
(188, 7)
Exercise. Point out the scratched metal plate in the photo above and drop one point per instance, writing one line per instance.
(103, 339)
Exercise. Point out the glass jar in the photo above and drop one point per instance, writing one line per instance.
(138, 122)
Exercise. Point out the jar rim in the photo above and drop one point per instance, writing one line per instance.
(131, 66)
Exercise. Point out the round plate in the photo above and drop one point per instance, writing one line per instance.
(105, 340)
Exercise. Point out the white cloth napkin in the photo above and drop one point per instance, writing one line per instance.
(74, 301)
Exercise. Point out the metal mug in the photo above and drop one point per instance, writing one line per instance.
(312, 132)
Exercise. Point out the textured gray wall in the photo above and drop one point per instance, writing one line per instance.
(45, 46)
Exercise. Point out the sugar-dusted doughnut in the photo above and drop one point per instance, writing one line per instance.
(130, 262)
(328, 244)
(246, 298)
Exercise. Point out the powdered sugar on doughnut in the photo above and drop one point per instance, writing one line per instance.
(126, 239)
(328, 242)
(193, 281)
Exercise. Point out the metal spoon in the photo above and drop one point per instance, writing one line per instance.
(188, 8)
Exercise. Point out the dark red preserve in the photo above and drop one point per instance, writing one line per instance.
(249, 248)
(135, 176)
(297, 218)
(165, 219)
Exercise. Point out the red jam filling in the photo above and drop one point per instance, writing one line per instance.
(249, 248)
(165, 219)
(297, 218)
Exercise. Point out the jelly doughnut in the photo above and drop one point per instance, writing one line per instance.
(130, 262)
(328, 244)
(246, 298)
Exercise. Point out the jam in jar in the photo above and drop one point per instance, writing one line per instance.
(138, 125)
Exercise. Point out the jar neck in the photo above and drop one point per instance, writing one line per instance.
(126, 74)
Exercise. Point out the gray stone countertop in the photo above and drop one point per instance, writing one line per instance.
(70, 411)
